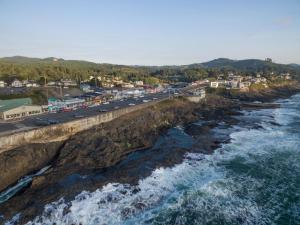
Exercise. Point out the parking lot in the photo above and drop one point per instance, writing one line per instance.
(54, 118)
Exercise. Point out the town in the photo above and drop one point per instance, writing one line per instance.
(67, 100)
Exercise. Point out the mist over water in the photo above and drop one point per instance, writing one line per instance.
(254, 179)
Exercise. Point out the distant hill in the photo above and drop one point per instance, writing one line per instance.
(247, 65)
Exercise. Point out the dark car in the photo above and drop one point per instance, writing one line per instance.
(40, 122)
(51, 121)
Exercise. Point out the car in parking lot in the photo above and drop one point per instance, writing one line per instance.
(53, 121)
(131, 104)
(76, 115)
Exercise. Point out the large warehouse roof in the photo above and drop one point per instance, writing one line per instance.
(13, 103)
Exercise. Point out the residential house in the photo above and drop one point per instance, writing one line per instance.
(17, 83)
(2, 84)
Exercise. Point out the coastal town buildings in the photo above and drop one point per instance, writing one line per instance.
(18, 109)
(16, 83)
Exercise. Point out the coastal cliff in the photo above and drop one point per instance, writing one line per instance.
(96, 149)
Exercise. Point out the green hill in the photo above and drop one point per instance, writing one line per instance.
(57, 68)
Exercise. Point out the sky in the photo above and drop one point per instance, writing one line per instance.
(151, 32)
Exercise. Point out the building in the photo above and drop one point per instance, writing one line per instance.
(2, 83)
(214, 84)
(56, 105)
(218, 83)
(18, 108)
(139, 83)
(17, 83)
(68, 83)
(86, 88)
(198, 92)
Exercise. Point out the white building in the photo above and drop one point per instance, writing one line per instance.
(17, 83)
(18, 109)
(139, 83)
(218, 83)
(2, 83)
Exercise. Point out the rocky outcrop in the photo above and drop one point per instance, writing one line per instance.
(25, 160)
(267, 94)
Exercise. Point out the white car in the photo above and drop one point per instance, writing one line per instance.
(145, 100)
(105, 103)
(131, 104)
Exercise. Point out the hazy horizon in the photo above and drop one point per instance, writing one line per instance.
(151, 33)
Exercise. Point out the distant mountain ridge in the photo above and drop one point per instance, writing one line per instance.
(218, 63)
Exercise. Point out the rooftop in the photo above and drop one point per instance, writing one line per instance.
(13, 103)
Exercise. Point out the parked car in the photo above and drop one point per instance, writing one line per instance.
(77, 115)
(131, 104)
(52, 121)
(103, 110)
(41, 122)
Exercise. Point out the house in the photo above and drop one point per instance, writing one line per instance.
(198, 92)
(127, 85)
(51, 83)
(218, 83)
(139, 83)
(245, 84)
(85, 87)
(18, 108)
(17, 83)
(32, 84)
(233, 84)
(2, 84)
(69, 83)
(214, 84)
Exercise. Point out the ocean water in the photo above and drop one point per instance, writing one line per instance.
(254, 179)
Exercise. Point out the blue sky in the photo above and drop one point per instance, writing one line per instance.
(151, 32)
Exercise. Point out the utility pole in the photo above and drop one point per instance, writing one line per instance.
(95, 81)
(46, 86)
(60, 88)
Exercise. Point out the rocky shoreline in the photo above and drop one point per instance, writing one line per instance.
(118, 151)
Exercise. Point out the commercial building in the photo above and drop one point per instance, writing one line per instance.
(18, 108)
(55, 105)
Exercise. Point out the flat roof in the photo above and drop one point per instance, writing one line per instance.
(9, 104)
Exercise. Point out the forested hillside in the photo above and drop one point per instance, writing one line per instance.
(55, 69)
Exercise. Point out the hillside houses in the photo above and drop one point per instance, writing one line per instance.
(238, 82)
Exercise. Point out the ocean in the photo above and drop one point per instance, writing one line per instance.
(253, 179)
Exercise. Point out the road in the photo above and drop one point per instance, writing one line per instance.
(7, 127)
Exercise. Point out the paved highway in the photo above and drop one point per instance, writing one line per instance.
(52, 118)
